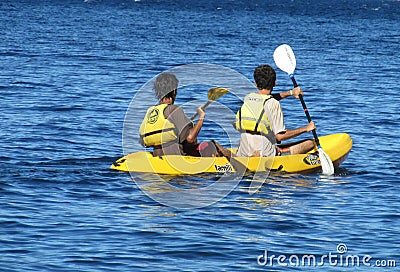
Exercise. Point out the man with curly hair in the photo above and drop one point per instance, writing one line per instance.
(166, 127)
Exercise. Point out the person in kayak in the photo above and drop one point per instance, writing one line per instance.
(167, 128)
(260, 120)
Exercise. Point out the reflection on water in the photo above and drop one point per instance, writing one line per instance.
(186, 192)
(196, 191)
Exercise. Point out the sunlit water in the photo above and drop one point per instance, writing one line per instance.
(69, 72)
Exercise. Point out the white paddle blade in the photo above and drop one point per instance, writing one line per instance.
(284, 58)
(326, 163)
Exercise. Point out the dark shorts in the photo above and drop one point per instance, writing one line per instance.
(203, 149)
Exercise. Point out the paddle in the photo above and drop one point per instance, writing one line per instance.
(286, 61)
(212, 95)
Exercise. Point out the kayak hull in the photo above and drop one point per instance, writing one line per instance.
(337, 146)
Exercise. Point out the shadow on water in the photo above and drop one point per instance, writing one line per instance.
(345, 172)
(67, 170)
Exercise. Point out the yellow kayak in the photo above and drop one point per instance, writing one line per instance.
(337, 146)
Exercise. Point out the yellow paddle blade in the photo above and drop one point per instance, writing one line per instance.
(212, 95)
(216, 92)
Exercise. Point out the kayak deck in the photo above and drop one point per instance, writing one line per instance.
(337, 146)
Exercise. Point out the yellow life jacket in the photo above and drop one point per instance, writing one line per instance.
(251, 117)
(155, 129)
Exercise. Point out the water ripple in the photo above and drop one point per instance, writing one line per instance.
(70, 70)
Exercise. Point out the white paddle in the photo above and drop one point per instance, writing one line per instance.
(286, 61)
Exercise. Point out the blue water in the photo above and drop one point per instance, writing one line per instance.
(69, 71)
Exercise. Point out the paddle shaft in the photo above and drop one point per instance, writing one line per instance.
(305, 110)
(203, 107)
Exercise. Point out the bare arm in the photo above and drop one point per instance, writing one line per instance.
(195, 130)
(294, 92)
(291, 133)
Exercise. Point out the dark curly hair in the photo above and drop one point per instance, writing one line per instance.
(165, 85)
(265, 77)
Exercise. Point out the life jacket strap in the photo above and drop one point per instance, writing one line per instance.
(157, 131)
(261, 114)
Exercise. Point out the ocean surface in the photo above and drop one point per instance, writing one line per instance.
(71, 70)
